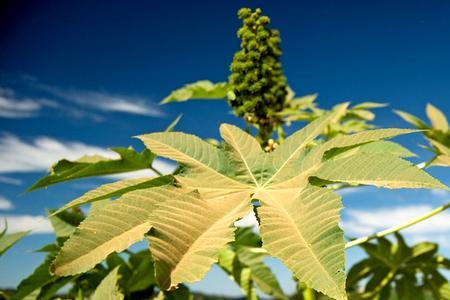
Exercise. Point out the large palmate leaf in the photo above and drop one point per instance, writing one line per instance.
(96, 165)
(203, 89)
(280, 181)
(189, 225)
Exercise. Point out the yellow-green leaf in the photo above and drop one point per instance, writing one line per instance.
(115, 189)
(382, 170)
(302, 231)
(112, 228)
(437, 118)
(108, 289)
(203, 89)
(188, 233)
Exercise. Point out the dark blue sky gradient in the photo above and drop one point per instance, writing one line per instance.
(396, 52)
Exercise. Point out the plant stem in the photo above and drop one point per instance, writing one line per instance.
(156, 171)
(397, 228)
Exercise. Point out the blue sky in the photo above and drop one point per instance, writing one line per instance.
(83, 77)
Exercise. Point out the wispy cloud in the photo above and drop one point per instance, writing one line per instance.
(18, 155)
(15, 108)
(10, 180)
(5, 204)
(358, 222)
(36, 223)
(440, 193)
(104, 101)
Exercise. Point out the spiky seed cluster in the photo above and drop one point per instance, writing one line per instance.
(257, 79)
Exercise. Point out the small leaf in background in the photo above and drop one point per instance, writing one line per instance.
(396, 268)
(108, 289)
(8, 240)
(203, 89)
(437, 118)
(438, 135)
(89, 166)
(413, 120)
(37, 280)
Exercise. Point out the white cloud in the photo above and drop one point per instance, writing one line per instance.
(5, 204)
(15, 108)
(439, 193)
(163, 166)
(247, 221)
(105, 101)
(17, 155)
(352, 190)
(35, 223)
(358, 222)
(10, 180)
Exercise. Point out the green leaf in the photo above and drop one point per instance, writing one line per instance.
(116, 189)
(112, 228)
(246, 151)
(8, 240)
(191, 224)
(406, 288)
(437, 118)
(287, 155)
(277, 180)
(142, 276)
(203, 89)
(51, 289)
(37, 280)
(181, 293)
(359, 271)
(439, 286)
(304, 102)
(369, 105)
(382, 170)
(303, 232)
(190, 231)
(413, 120)
(259, 271)
(88, 166)
(238, 272)
(386, 147)
(244, 236)
(60, 227)
(174, 123)
(65, 223)
(108, 289)
(381, 277)
(202, 159)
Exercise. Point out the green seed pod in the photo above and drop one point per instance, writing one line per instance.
(258, 84)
